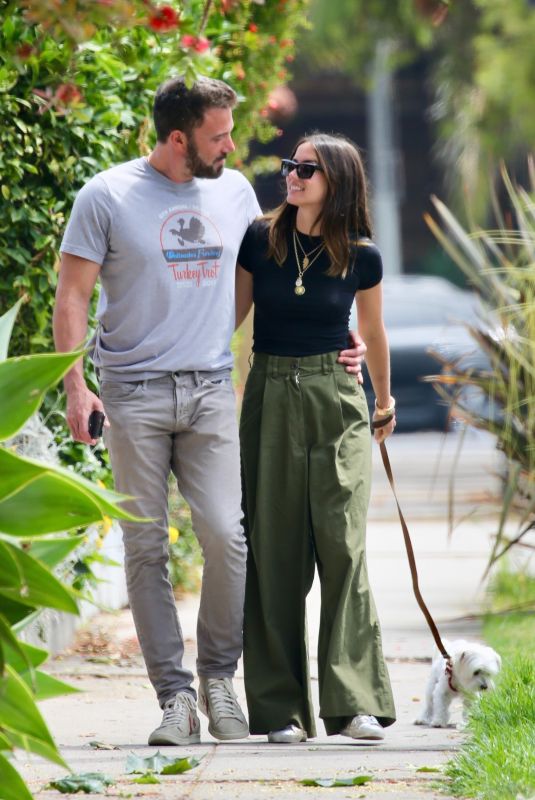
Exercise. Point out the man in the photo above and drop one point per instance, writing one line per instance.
(163, 237)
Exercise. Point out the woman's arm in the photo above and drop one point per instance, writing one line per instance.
(244, 294)
(372, 330)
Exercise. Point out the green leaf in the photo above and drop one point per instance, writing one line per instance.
(6, 326)
(23, 383)
(12, 785)
(160, 764)
(95, 745)
(17, 614)
(329, 783)
(46, 505)
(110, 64)
(5, 744)
(52, 552)
(7, 637)
(22, 722)
(45, 686)
(35, 656)
(24, 660)
(148, 777)
(39, 498)
(181, 765)
(88, 782)
(30, 582)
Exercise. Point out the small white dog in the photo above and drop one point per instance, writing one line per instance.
(474, 667)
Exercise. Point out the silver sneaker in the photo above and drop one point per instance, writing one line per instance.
(218, 701)
(291, 734)
(180, 723)
(363, 726)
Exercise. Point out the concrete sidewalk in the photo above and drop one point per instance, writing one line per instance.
(118, 708)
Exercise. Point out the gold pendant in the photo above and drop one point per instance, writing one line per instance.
(299, 289)
(306, 262)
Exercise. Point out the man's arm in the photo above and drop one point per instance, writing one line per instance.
(77, 279)
(354, 356)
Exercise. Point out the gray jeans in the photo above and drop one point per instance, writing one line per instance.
(183, 423)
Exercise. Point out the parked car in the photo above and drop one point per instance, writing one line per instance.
(424, 314)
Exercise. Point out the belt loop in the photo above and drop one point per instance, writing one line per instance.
(196, 378)
(275, 366)
(324, 364)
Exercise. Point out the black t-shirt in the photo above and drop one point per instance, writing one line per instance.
(286, 324)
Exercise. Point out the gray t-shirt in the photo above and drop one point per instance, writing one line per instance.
(168, 255)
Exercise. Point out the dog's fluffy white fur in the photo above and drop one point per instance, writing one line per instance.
(474, 667)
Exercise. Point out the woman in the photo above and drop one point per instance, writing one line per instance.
(306, 450)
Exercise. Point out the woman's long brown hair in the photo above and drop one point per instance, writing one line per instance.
(344, 217)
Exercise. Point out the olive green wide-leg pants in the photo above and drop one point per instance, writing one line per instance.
(306, 465)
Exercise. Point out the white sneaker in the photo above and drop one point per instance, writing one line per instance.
(180, 723)
(218, 701)
(363, 726)
(291, 734)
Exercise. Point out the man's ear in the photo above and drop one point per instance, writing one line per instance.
(178, 139)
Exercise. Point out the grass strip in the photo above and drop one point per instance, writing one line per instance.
(497, 760)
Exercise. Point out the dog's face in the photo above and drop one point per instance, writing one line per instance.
(476, 667)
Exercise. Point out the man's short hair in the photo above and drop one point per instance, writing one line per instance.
(177, 107)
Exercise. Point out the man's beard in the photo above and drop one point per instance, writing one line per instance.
(198, 167)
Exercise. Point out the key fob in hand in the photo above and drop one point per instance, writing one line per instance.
(95, 424)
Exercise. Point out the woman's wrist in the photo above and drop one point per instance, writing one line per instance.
(385, 411)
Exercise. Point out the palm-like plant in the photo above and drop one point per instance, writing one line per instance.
(500, 264)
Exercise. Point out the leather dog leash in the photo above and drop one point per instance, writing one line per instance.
(380, 423)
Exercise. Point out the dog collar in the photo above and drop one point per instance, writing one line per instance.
(449, 675)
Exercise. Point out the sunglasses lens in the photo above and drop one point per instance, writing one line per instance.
(286, 168)
(305, 171)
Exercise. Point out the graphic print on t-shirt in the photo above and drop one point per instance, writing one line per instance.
(192, 248)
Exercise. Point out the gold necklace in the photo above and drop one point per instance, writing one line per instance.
(306, 256)
(299, 289)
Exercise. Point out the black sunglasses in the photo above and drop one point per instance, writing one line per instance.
(304, 169)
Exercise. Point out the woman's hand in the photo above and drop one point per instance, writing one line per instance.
(382, 433)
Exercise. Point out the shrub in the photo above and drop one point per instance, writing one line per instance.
(500, 264)
(35, 500)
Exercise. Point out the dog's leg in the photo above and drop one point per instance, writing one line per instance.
(467, 702)
(442, 697)
(427, 711)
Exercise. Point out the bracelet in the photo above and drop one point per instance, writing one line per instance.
(385, 412)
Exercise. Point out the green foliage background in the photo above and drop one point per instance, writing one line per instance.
(482, 63)
(49, 149)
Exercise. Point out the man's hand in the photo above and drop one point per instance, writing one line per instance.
(354, 356)
(80, 403)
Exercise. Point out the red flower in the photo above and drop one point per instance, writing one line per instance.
(227, 5)
(25, 50)
(197, 43)
(67, 93)
(163, 19)
(253, 28)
